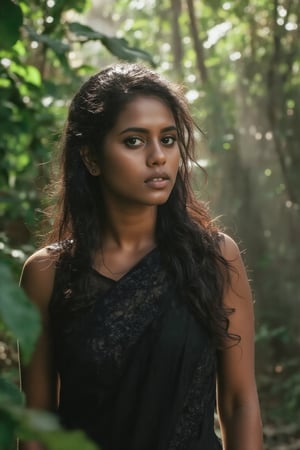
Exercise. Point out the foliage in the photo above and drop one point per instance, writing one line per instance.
(18, 314)
(22, 322)
(15, 420)
(279, 382)
(37, 74)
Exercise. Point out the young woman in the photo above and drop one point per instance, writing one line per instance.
(146, 306)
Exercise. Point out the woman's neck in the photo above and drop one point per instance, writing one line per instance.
(130, 230)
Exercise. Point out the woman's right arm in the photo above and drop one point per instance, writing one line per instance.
(38, 378)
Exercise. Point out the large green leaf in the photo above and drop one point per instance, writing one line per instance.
(7, 431)
(84, 31)
(117, 46)
(11, 19)
(120, 48)
(45, 427)
(9, 395)
(30, 424)
(72, 440)
(33, 424)
(18, 314)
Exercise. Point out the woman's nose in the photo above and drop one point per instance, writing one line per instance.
(156, 154)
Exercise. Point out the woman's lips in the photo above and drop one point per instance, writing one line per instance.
(158, 182)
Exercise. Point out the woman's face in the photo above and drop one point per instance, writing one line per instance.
(140, 155)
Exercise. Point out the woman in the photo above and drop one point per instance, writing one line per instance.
(146, 305)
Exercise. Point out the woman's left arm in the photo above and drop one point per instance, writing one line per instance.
(238, 404)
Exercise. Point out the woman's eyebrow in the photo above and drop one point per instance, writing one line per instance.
(145, 130)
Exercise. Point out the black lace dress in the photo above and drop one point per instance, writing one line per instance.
(137, 371)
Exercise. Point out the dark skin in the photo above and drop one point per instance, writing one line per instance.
(137, 172)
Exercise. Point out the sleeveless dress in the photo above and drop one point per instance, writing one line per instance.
(137, 370)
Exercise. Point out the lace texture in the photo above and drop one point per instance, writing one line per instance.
(105, 331)
(199, 397)
(126, 313)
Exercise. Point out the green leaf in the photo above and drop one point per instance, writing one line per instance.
(30, 424)
(72, 440)
(45, 427)
(4, 83)
(7, 431)
(84, 31)
(10, 393)
(19, 315)
(28, 73)
(120, 48)
(33, 76)
(11, 19)
(41, 421)
(117, 46)
(56, 45)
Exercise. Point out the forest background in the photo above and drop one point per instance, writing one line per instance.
(239, 61)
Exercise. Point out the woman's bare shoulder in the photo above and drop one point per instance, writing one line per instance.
(228, 247)
(38, 274)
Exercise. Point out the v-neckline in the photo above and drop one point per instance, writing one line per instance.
(124, 275)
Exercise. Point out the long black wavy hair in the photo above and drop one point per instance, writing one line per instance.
(186, 236)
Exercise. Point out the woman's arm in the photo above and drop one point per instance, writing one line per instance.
(38, 379)
(238, 404)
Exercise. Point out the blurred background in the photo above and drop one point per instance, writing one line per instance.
(239, 61)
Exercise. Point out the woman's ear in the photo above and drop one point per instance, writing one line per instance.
(90, 163)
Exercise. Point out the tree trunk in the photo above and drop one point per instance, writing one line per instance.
(177, 42)
(198, 45)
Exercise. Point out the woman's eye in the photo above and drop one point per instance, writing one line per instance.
(168, 140)
(133, 141)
